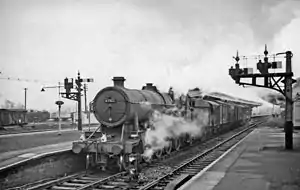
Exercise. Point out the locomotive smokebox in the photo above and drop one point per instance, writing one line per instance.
(119, 81)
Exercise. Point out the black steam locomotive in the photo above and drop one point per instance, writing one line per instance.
(125, 117)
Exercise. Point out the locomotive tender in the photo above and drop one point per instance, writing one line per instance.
(124, 116)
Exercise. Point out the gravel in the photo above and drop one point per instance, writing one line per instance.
(153, 173)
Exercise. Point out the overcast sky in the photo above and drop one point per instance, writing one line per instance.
(182, 43)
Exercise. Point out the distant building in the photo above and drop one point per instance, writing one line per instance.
(38, 116)
(63, 116)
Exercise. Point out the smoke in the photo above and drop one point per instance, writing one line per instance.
(296, 88)
(8, 104)
(179, 43)
(297, 84)
(166, 126)
(272, 97)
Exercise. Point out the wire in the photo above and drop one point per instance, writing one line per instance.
(24, 80)
(259, 56)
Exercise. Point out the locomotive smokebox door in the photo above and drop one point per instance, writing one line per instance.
(110, 107)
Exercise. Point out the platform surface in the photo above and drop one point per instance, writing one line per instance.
(28, 133)
(13, 157)
(259, 162)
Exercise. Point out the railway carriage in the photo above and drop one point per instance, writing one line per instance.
(124, 116)
(10, 117)
(225, 112)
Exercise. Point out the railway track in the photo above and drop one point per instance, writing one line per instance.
(71, 182)
(121, 180)
(199, 162)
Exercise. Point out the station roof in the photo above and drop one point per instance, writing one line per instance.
(228, 98)
(197, 93)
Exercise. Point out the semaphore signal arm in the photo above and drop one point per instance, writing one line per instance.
(271, 80)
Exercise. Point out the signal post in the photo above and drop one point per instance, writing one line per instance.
(271, 81)
(76, 96)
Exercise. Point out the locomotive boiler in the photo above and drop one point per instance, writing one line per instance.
(124, 117)
(116, 105)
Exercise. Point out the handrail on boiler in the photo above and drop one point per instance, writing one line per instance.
(94, 132)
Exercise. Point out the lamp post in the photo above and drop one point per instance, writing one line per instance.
(25, 97)
(59, 86)
(59, 103)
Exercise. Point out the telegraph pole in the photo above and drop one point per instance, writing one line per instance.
(237, 74)
(85, 105)
(25, 98)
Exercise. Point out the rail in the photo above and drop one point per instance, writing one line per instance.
(122, 180)
(195, 162)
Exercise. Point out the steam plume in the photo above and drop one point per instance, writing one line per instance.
(168, 126)
(273, 98)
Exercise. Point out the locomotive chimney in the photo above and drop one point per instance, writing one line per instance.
(149, 86)
(119, 81)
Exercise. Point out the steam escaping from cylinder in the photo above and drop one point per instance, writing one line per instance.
(167, 126)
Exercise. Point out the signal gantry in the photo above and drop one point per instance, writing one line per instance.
(271, 81)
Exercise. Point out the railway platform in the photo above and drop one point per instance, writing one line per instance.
(257, 162)
(8, 159)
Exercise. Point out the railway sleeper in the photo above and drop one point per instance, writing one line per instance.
(89, 178)
(82, 181)
(197, 165)
(200, 167)
(107, 186)
(117, 183)
(220, 151)
(192, 170)
(190, 173)
(158, 188)
(120, 180)
(63, 188)
(207, 161)
(163, 182)
(73, 184)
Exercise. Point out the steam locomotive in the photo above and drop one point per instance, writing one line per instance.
(124, 116)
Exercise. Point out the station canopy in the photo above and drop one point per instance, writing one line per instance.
(230, 99)
(213, 96)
